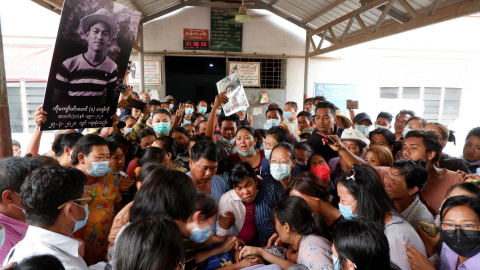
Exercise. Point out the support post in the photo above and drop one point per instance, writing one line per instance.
(5, 132)
(140, 58)
(307, 58)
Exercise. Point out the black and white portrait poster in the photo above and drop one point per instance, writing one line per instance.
(237, 100)
(90, 58)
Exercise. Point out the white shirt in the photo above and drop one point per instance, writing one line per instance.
(39, 241)
(230, 201)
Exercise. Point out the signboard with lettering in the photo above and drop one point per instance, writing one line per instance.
(195, 45)
(249, 72)
(28, 63)
(225, 36)
(195, 34)
(151, 73)
(337, 93)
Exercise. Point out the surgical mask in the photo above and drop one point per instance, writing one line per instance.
(99, 168)
(405, 131)
(170, 106)
(346, 211)
(161, 128)
(248, 153)
(128, 130)
(287, 115)
(227, 141)
(80, 223)
(188, 111)
(23, 210)
(378, 126)
(199, 236)
(336, 263)
(312, 112)
(202, 109)
(110, 171)
(362, 128)
(465, 243)
(267, 153)
(279, 171)
(474, 163)
(218, 112)
(273, 123)
(262, 146)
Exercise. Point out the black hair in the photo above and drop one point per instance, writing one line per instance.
(112, 147)
(297, 213)
(118, 138)
(414, 173)
(202, 100)
(249, 129)
(46, 160)
(38, 262)
(189, 102)
(386, 115)
(472, 203)
(389, 136)
(310, 184)
(144, 133)
(304, 146)
(431, 140)
(365, 185)
(326, 105)
(287, 147)
(468, 187)
(150, 243)
(65, 140)
(168, 143)
(126, 117)
(195, 116)
(234, 118)
(13, 171)
(165, 192)
(46, 189)
(205, 149)
(239, 172)
(207, 205)
(198, 138)
(273, 105)
(280, 134)
(261, 131)
(146, 169)
(197, 127)
(179, 129)
(17, 143)
(309, 100)
(446, 134)
(418, 118)
(321, 98)
(162, 111)
(85, 144)
(306, 114)
(260, 135)
(363, 243)
(409, 112)
(293, 104)
(100, 21)
(154, 102)
(152, 154)
(280, 111)
(309, 162)
(473, 132)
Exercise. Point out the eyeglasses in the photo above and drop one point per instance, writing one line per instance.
(76, 200)
(350, 175)
(465, 227)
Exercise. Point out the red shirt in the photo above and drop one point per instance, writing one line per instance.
(249, 229)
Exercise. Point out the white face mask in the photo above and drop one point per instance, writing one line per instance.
(279, 171)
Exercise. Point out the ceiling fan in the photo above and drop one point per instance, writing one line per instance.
(241, 16)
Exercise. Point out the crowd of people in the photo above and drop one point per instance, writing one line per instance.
(182, 186)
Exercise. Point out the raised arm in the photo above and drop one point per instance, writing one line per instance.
(350, 159)
(219, 99)
(34, 144)
(179, 115)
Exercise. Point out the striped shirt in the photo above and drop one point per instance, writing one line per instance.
(81, 78)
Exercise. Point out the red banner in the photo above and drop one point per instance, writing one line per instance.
(195, 34)
(29, 63)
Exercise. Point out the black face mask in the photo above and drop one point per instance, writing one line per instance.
(463, 242)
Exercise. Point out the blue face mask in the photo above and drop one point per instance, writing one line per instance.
(248, 153)
(267, 154)
(218, 112)
(199, 236)
(287, 115)
(336, 263)
(99, 168)
(80, 223)
(161, 128)
(273, 123)
(262, 146)
(128, 130)
(170, 106)
(202, 109)
(188, 111)
(227, 141)
(346, 211)
(362, 128)
(405, 131)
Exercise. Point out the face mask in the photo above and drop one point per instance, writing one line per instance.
(405, 131)
(248, 153)
(267, 153)
(80, 223)
(336, 263)
(199, 236)
(463, 242)
(287, 115)
(279, 171)
(161, 128)
(170, 106)
(110, 171)
(262, 146)
(312, 112)
(362, 128)
(99, 168)
(322, 171)
(188, 111)
(18, 207)
(474, 163)
(218, 112)
(273, 123)
(128, 130)
(378, 126)
(227, 141)
(202, 109)
(346, 211)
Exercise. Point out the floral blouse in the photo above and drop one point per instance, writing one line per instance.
(315, 253)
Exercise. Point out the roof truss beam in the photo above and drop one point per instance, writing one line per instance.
(167, 10)
(322, 11)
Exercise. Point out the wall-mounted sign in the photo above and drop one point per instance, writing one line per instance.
(249, 72)
(195, 34)
(225, 36)
(25, 62)
(151, 75)
(196, 45)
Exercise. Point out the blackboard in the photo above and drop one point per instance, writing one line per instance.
(225, 36)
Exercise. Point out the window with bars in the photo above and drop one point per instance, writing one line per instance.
(14, 94)
(35, 93)
(273, 72)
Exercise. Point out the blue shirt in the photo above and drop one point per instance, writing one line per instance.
(218, 187)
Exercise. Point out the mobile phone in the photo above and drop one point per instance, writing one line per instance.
(137, 104)
(123, 89)
(352, 104)
(428, 228)
(325, 138)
